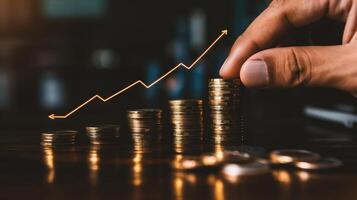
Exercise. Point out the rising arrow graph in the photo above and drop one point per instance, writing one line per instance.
(139, 82)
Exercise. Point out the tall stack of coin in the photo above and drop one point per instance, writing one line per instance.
(187, 123)
(58, 138)
(224, 109)
(103, 134)
(146, 128)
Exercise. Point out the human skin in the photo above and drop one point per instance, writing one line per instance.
(257, 60)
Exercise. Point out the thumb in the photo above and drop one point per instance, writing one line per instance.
(285, 67)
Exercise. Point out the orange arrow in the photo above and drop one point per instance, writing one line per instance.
(53, 116)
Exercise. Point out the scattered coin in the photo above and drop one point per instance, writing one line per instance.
(200, 162)
(187, 163)
(322, 164)
(289, 156)
(236, 157)
(247, 169)
(209, 160)
(255, 151)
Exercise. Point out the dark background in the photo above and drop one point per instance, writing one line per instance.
(54, 54)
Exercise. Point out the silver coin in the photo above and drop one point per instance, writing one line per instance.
(236, 157)
(287, 156)
(323, 164)
(247, 169)
(187, 163)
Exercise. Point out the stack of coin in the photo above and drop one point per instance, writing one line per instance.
(103, 134)
(187, 122)
(58, 138)
(145, 121)
(224, 104)
(146, 128)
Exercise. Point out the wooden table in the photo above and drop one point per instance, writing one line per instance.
(29, 171)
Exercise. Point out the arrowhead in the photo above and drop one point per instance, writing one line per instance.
(51, 116)
(225, 32)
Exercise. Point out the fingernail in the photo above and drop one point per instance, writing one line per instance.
(254, 73)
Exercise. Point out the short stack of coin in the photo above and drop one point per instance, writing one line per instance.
(145, 121)
(146, 128)
(58, 138)
(103, 134)
(187, 122)
(224, 108)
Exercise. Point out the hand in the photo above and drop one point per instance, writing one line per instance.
(258, 65)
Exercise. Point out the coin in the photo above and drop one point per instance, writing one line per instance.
(322, 164)
(146, 127)
(186, 102)
(223, 99)
(103, 134)
(200, 162)
(58, 138)
(247, 169)
(103, 128)
(288, 156)
(145, 113)
(236, 157)
(59, 133)
(254, 151)
(186, 122)
(210, 160)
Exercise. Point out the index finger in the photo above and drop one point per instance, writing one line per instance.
(265, 31)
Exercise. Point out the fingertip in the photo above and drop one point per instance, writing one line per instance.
(224, 73)
(231, 67)
(226, 70)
